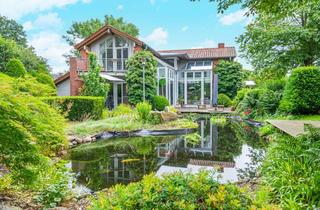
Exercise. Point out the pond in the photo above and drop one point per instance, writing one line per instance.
(233, 150)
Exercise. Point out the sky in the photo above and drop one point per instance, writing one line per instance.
(163, 24)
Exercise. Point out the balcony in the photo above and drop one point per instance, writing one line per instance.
(107, 65)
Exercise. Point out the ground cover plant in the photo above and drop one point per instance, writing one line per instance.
(174, 191)
(291, 170)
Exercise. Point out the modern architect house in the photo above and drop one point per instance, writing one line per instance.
(184, 76)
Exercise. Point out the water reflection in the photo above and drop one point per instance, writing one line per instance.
(226, 149)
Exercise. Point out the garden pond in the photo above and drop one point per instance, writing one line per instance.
(232, 149)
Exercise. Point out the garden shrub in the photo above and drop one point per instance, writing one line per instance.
(15, 68)
(122, 109)
(224, 100)
(174, 191)
(276, 85)
(30, 130)
(291, 170)
(302, 92)
(134, 77)
(53, 186)
(159, 103)
(77, 108)
(269, 101)
(230, 77)
(43, 77)
(30, 85)
(239, 97)
(143, 110)
(250, 103)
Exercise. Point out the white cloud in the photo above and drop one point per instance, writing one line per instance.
(51, 46)
(185, 28)
(47, 21)
(27, 26)
(17, 8)
(120, 7)
(158, 36)
(206, 44)
(234, 17)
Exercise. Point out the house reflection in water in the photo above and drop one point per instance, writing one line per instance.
(219, 150)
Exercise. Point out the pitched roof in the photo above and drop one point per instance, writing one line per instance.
(108, 29)
(62, 78)
(225, 52)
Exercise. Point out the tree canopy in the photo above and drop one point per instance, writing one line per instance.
(10, 29)
(283, 42)
(230, 77)
(135, 74)
(81, 30)
(283, 35)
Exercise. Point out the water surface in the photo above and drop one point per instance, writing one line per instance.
(233, 150)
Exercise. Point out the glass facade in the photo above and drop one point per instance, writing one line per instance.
(189, 87)
(113, 53)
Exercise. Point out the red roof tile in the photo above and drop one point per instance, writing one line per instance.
(225, 52)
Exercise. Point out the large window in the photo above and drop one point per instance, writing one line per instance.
(114, 52)
(191, 65)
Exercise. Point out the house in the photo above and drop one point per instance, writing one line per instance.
(184, 76)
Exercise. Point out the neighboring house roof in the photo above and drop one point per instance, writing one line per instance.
(107, 29)
(62, 78)
(224, 52)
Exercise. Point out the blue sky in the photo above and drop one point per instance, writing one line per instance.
(163, 24)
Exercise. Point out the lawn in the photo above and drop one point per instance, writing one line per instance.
(122, 124)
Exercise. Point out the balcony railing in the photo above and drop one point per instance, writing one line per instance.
(108, 64)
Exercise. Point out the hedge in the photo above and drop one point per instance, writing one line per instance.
(78, 108)
(302, 93)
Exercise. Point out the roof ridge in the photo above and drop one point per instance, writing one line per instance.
(205, 48)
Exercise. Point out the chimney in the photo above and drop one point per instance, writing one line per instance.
(221, 45)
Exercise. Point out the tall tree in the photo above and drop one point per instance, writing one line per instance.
(283, 42)
(230, 77)
(285, 33)
(10, 29)
(93, 84)
(81, 30)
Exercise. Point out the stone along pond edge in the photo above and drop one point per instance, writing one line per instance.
(75, 140)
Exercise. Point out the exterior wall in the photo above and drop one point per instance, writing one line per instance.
(63, 88)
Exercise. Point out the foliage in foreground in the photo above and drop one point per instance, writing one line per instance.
(15, 68)
(77, 108)
(174, 191)
(31, 132)
(291, 170)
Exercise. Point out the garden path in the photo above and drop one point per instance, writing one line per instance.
(293, 127)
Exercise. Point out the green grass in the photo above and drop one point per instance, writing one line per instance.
(306, 117)
(91, 127)
(122, 124)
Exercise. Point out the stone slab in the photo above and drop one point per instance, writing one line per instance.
(293, 127)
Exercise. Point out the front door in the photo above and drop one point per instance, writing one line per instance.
(119, 93)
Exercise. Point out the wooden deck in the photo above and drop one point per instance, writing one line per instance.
(210, 110)
(293, 127)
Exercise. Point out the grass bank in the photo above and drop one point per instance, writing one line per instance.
(123, 123)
